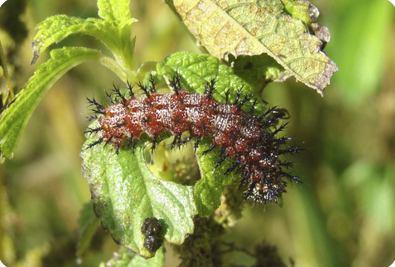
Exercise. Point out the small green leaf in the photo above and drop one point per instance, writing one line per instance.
(88, 224)
(125, 193)
(114, 10)
(255, 27)
(15, 117)
(126, 258)
(56, 28)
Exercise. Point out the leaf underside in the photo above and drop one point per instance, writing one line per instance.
(261, 27)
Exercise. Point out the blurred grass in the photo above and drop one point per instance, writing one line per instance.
(343, 214)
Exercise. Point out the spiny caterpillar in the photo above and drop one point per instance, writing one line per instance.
(250, 141)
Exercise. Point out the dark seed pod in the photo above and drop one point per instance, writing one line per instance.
(153, 243)
(152, 229)
(151, 226)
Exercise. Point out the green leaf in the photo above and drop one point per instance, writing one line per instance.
(56, 28)
(114, 10)
(256, 27)
(125, 193)
(125, 258)
(15, 117)
(258, 70)
(88, 224)
(195, 72)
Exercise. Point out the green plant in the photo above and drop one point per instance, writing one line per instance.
(255, 44)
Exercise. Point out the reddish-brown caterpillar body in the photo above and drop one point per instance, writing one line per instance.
(247, 139)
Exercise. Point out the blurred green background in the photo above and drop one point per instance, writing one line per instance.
(343, 214)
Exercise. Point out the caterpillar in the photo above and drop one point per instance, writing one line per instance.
(251, 141)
